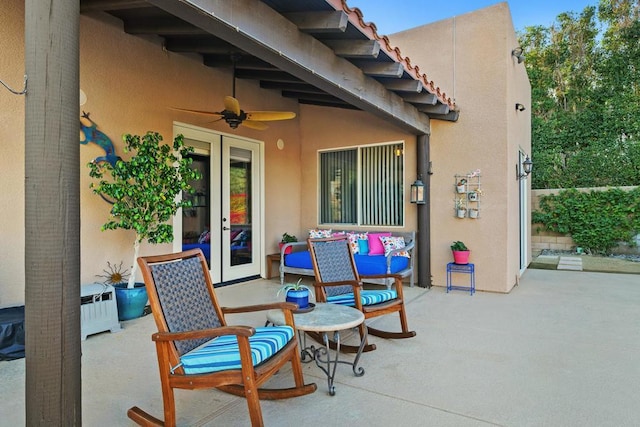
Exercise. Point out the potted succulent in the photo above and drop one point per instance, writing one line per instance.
(144, 192)
(461, 185)
(297, 293)
(287, 238)
(461, 208)
(460, 252)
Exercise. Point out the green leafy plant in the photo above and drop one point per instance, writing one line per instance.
(459, 246)
(288, 238)
(294, 287)
(597, 220)
(144, 188)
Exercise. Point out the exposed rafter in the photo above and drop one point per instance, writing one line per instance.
(306, 50)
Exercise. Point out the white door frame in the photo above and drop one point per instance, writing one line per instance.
(523, 196)
(214, 139)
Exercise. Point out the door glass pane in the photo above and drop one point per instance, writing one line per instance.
(240, 206)
(195, 220)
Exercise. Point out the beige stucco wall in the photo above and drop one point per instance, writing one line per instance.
(324, 128)
(469, 57)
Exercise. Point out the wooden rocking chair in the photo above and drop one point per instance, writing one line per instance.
(197, 349)
(337, 281)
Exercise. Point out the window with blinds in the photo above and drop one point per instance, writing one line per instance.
(362, 186)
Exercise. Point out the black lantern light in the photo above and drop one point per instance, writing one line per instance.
(417, 192)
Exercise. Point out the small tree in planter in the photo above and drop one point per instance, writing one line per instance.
(144, 188)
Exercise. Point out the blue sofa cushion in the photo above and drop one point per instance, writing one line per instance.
(366, 264)
(377, 264)
(205, 247)
(222, 353)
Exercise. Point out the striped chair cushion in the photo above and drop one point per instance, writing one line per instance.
(222, 353)
(367, 297)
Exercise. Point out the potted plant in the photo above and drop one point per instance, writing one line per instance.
(297, 293)
(473, 213)
(287, 238)
(460, 252)
(144, 192)
(461, 208)
(461, 185)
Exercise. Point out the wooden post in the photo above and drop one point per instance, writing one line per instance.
(52, 213)
(424, 214)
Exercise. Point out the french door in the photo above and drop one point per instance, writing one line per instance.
(226, 218)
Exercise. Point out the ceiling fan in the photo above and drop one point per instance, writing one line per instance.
(235, 116)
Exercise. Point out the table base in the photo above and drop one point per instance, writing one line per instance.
(322, 357)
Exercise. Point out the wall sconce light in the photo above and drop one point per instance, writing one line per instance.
(520, 107)
(417, 192)
(518, 53)
(524, 169)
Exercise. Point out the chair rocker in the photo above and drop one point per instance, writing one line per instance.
(337, 281)
(196, 348)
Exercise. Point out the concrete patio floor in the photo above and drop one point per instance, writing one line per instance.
(560, 350)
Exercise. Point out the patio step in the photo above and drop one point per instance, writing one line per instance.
(570, 263)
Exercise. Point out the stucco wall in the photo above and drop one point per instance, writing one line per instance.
(130, 83)
(324, 128)
(469, 57)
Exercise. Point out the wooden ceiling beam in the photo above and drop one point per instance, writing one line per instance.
(103, 5)
(297, 87)
(434, 109)
(257, 29)
(422, 98)
(354, 48)
(319, 22)
(202, 44)
(380, 69)
(267, 75)
(164, 27)
(312, 97)
(404, 85)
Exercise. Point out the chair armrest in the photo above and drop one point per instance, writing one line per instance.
(260, 307)
(341, 283)
(295, 245)
(246, 331)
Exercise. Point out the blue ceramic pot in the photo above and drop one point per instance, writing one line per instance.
(300, 297)
(131, 302)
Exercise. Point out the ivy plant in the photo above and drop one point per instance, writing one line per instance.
(596, 220)
(145, 187)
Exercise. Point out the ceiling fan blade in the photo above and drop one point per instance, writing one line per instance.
(254, 125)
(207, 113)
(232, 104)
(267, 116)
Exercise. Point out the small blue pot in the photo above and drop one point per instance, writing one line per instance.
(131, 302)
(300, 297)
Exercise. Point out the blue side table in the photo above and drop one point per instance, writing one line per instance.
(469, 269)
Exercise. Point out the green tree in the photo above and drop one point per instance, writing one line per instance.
(144, 188)
(585, 71)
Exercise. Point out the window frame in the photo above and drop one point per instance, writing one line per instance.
(359, 186)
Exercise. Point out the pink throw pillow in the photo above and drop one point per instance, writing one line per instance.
(375, 245)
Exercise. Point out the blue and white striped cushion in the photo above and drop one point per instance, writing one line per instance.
(367, 297)
(222, 353)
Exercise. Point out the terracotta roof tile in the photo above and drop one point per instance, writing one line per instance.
(356, 17)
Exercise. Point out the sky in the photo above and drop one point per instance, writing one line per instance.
(393, 16)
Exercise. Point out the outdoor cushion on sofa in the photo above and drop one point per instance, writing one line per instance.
(366, 264)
